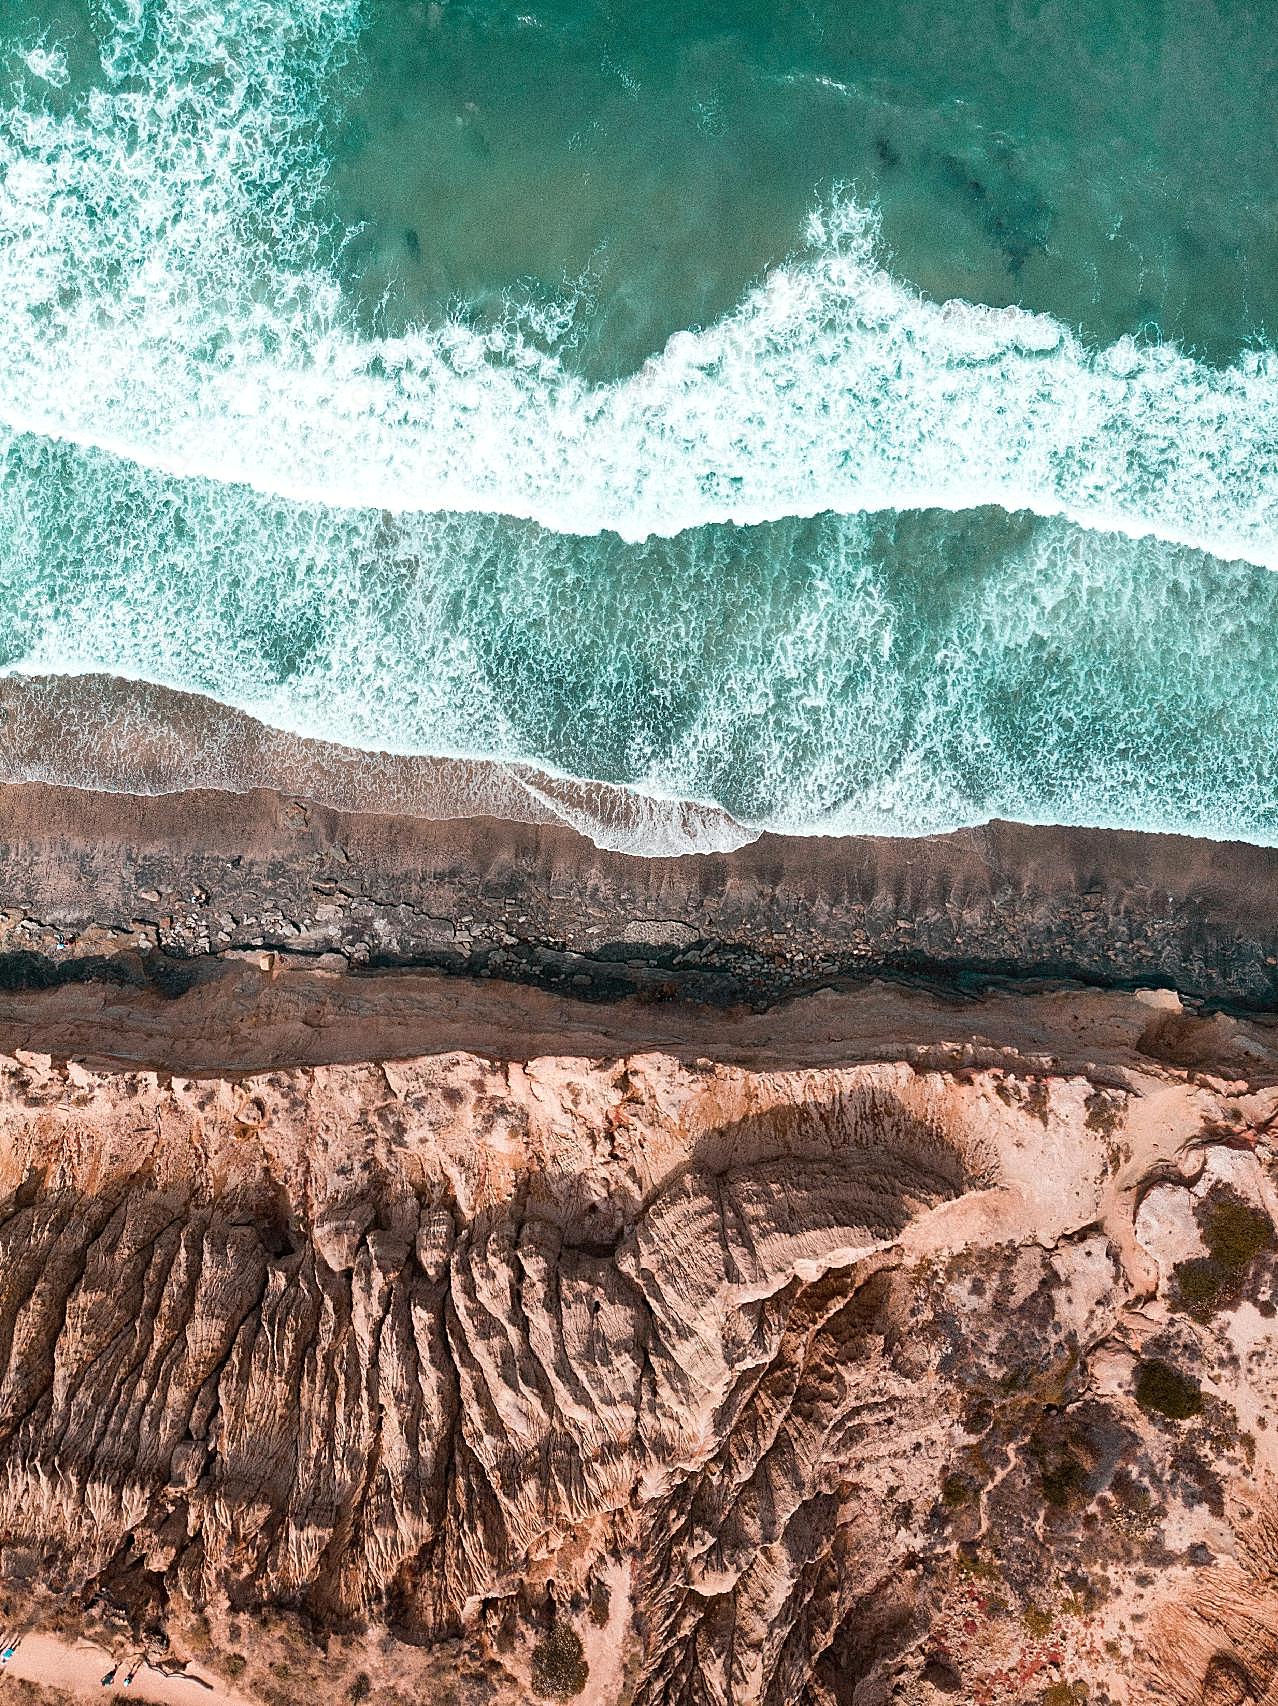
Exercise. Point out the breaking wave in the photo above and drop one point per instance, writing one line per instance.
(847, 560)
(169, 296)
(889, 674)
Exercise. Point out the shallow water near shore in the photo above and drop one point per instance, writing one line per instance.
(859, 419)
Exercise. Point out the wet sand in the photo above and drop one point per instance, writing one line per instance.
(199, 832)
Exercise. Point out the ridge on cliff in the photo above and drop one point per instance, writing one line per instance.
(631, 1378)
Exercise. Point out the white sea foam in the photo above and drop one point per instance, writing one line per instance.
(113, 736)
(898, 675)
(166, 297)
(209, 481)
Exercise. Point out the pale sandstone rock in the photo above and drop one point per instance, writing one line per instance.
(783, 1386)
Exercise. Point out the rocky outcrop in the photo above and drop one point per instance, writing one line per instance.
(637, 1378)
(132, 889)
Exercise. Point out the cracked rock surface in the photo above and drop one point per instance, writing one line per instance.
(655, 1376)
(136, 890)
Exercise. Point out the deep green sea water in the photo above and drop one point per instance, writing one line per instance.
(863, 417)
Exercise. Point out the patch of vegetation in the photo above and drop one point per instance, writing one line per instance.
(1062, 1450)
(1038, 1100)
(1130, 1494)
(198, 1637)
(978, 1416)
(1235, 1233)
(1104, 1114)
(40, 1693)
(559, 1666)
(956, 1492)
(1203, 1286)
(1233, 1230)
(1037, 1621)
(1064, 1694)
(971, 1563)
(1165, 1391)
(600, 1604)
(361, 1688)
(234, 1664)
(1064, 1481)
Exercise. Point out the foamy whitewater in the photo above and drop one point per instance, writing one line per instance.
(845, 559)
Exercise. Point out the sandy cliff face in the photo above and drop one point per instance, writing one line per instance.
(639, 1379)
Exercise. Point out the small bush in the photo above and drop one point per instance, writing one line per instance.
(1037, 1621)
(1064, 1481)
(234, 1664)
(956, 1492)
(971, 1563)
(361, 1688)
(1203, 1285)
(1234, 1231)
(559, 1666)
(198, 1638)
(1104, 1114)
(600, 1604)
(1166, 1391)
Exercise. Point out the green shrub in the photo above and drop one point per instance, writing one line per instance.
(956, 1492)
(559, 1666)
(1038, 1622)
(1064, 1481)
(1234, 1231)
(600, 1604)
(1166, 1391)
(1203, 1285)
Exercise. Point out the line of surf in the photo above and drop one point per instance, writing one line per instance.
(171, 296)
(833, 388)
(120, 735)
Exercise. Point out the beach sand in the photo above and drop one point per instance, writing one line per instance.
(202, 833)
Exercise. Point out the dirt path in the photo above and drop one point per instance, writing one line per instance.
(79, 1667)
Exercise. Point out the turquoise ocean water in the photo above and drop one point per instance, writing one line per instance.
(859, 416)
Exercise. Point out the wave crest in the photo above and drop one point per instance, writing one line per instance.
(170, 297)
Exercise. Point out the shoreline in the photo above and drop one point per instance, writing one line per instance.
(102, 733)
(138, 890)
(149, 740)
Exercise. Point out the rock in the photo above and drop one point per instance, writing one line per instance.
(643, 1370)
(660, 933)
(339, 1232)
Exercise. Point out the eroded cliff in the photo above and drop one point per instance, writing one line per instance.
(637, 1378)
